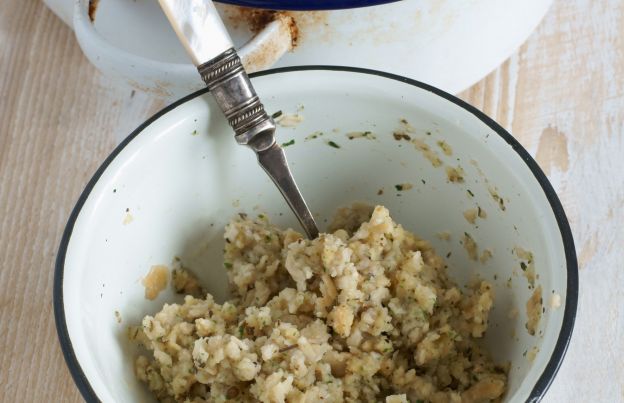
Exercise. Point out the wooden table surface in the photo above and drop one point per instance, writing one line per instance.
(561, 94)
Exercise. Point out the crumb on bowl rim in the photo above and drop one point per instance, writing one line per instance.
(572, 282)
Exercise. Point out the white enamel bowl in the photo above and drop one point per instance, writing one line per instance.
(171, 186)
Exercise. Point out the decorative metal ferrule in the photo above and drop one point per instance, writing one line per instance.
(230, 86)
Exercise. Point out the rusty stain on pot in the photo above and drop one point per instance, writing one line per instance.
(270, 48)
(292, 28)
(93, 5)
(298, 21)
(256, 19)
(325, 26)
(314, 23)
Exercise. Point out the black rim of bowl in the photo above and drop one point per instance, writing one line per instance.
(571, 300)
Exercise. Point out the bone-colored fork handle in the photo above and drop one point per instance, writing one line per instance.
(201, 31)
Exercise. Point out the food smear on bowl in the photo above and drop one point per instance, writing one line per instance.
(471, 247)
(555, 300)
(366, 312)
(289, 119)
(155, 281)
(472, 214)
(486, 255)
(497, 198)
(527, 264)
(445, 147)
(444, 235)
(455, 174)
(127, 218)
(532, 353)
(534, 310)
(427, 152)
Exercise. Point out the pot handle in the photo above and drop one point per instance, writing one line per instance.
(268, 45)
(204, 36)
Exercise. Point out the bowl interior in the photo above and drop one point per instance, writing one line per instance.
(170, 190)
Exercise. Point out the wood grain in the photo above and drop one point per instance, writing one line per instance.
(561, 95)
(57, 119)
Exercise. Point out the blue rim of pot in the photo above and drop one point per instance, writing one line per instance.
(299, 5)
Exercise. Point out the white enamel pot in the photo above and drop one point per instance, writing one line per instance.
(113, 38)
(451, 44)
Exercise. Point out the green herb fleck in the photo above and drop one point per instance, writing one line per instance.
(276, 114)
(470, 193)
(227, 265)
(194, 133)
(403, 186)
(523, 266)
(288, 143)
(354, 135)
(313, 136)
(398, 136)
(332, 144)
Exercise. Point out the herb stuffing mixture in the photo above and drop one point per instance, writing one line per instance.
(364, 313)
